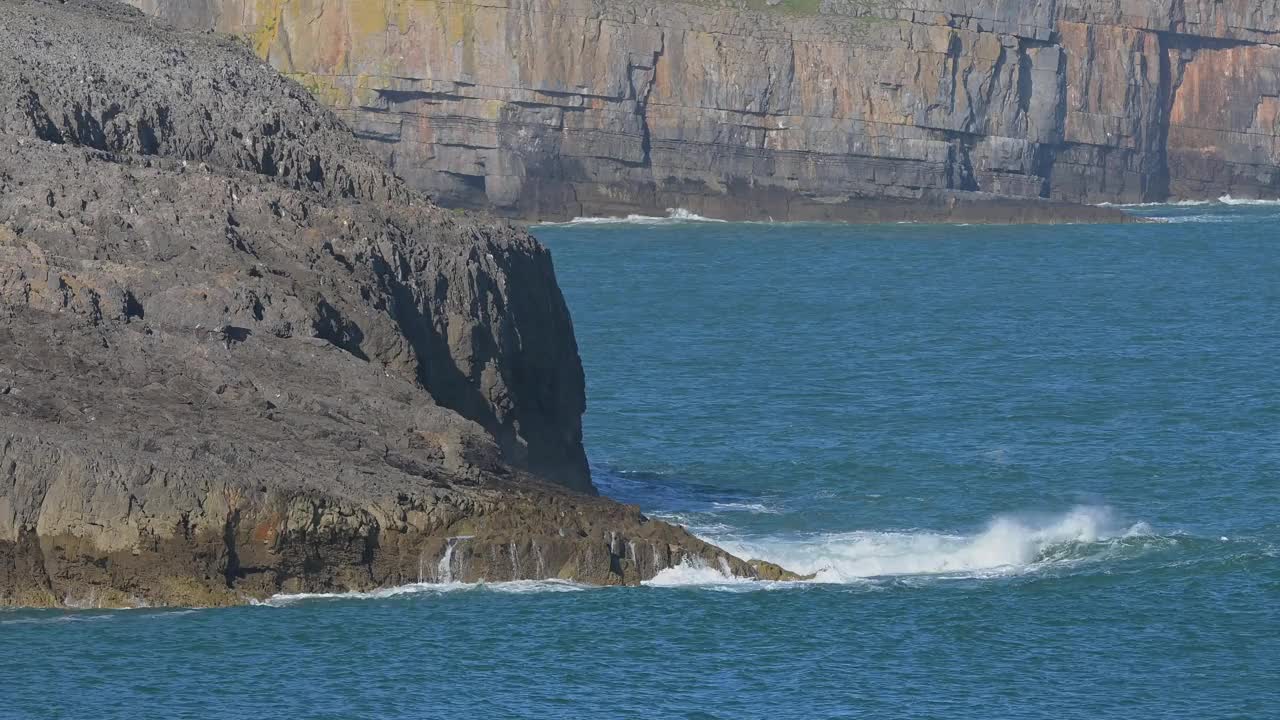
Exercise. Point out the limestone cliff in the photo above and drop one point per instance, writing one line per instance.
(239, 357)
(853, 109)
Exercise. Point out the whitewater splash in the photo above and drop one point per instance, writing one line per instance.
(692, 571)
(1009, 545)
(674, 216)
(1228, 200)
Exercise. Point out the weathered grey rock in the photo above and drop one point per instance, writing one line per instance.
(800, 109)
(238, 357)
(486, 330)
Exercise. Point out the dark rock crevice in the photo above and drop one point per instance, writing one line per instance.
(1157, 188)
(233, 571)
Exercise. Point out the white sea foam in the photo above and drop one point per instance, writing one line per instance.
(697, 524)
(510, 587)
(757, 508)
(673, 216)
(1182, 219)
(56, 619)
(1228, 200)
(685, 216)
(1179, 203)
(520, 587)
(1010, 544)
(1224, 200)
(691, 572)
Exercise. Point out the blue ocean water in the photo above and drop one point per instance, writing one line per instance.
(1036, 471)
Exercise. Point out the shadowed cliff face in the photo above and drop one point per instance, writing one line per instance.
(239, 357)
(553, 108)
(470, 311)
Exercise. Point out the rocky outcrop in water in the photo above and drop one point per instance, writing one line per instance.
(239, 357)
(790, 109)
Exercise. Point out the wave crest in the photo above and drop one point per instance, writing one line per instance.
(1228, 200)
(674, 216)
(1009, 544)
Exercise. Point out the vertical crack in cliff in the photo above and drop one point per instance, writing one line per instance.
(996, 81)
(229, 539)
(1047, 160)
(646, 144)
(1156, 187)
(642, 101)
(1026, 82)
(954, 48)
(959, 170)
(1177, 51)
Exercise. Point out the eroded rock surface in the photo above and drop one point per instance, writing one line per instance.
(239, 357)
(790, 109)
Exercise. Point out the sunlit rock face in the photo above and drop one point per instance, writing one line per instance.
(544, 109)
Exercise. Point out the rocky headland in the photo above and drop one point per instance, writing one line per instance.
(863, 110)
(239, 357)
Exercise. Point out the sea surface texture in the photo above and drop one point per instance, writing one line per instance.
(1035, 471)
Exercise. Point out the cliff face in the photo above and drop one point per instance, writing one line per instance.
(475, 316)
(788, 108)
(237, 356)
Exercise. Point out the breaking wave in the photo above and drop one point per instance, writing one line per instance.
(1179, 203)
(673, 216)
(1228, 200)
(1009, 544)
(692, 572)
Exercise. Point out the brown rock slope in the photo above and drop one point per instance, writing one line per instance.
(791, 109)
(238, 357)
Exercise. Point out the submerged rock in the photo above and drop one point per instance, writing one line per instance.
(238, 357)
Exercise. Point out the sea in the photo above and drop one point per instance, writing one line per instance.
(1034, 471)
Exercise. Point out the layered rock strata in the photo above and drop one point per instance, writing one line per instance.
(238, 357)
(790, 109)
